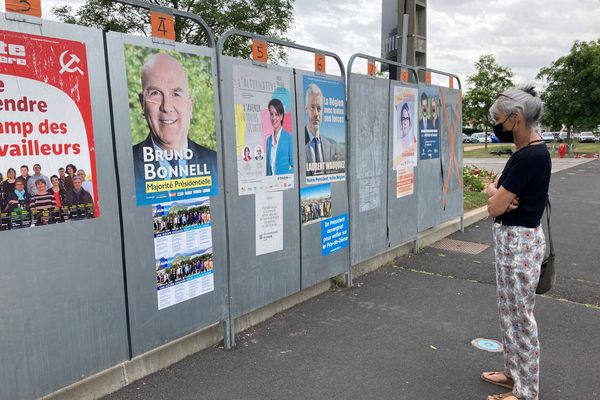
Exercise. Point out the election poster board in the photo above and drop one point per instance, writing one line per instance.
(405, 139)
(46, 129)
(182, 250)
(324, 130)
(263, 129)
(429, 123)
(173, 131)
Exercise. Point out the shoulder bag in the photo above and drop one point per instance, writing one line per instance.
(547, 272)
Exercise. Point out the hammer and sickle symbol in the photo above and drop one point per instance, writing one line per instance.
(67, 67)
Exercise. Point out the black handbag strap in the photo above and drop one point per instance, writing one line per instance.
(548, 212)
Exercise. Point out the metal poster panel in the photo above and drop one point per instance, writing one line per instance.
(264, 234)
(452, 201)
(402, 181)
(62, 300)
(429, 122)
(46, 132)
(324, 129)
(263, 124)
(167, 98)
(183, 250)
(172, 124)
(369, 149)
(404, 139)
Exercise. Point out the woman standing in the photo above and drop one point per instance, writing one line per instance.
(41, 203)
(8, 185)
(516, 201)
(71, 173)
(56, 191)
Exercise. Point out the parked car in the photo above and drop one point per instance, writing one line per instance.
(548, 137)
(587, 137)
(469, 139)
(480, 136)
(562, 136)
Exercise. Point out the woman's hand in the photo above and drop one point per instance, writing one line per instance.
(513, 205)
(492, 188)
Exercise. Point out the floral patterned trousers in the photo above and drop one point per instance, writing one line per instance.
(519, 254)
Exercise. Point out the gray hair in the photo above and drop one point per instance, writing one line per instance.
(523, 98)
(312, 88)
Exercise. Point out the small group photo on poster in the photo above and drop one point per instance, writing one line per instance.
(182, 250)
(173, 131)
(263, 130)
(324, 130)
(315, 203)
(405, 139)
(47, 153)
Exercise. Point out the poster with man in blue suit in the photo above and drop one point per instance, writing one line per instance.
(264, 130)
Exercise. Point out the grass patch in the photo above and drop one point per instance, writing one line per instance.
(474, 200)
(580, 148)
(587, 148)
(483, 153)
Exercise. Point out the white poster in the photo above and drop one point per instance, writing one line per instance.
(263, 129)
(183, 250)
(269, 222)
(368, 194)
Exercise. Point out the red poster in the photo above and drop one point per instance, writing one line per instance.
(46, 132)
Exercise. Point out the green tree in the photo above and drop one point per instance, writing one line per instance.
(573, 94)
(485, 84)
(264, 17)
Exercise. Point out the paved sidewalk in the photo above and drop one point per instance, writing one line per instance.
(404, 331)
(497, 164)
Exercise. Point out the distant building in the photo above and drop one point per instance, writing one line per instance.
(391, 32)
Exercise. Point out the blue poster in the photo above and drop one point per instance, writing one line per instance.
(182, 250)
(334, 234)
(429, 122)
(324, 130)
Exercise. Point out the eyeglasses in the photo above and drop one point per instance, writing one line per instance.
(405, 119)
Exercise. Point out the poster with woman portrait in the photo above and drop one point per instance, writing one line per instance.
(263, 130)
(405, 139)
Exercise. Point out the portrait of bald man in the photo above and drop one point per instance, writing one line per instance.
(167, 152)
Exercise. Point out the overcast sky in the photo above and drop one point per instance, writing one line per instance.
(524, 35)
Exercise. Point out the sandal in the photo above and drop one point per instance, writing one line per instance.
(494, 378)
(503, 396)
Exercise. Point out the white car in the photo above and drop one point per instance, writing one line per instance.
(548, 137)
(480, 136)
(587, 137)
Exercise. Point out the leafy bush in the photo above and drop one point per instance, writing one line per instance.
(472, 179)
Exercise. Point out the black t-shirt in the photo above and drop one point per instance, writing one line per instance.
(527, 174)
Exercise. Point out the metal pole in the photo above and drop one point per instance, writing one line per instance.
(404, 34)
(171, 11)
